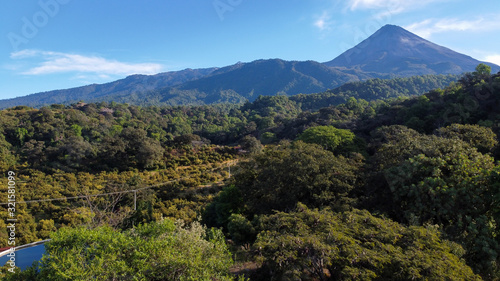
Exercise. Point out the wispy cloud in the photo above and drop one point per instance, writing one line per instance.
(27, 53)
(373, 4)
(389, 7)
(428, 27)
(47, 62)
(324, 21)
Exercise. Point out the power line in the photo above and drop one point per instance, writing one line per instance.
(116, 192)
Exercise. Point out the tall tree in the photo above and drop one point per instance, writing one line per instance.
(331, 138)
(320, 245)
(281, 176)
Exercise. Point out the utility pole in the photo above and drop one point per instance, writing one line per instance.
(135, 200)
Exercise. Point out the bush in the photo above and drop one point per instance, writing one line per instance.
(155, 251)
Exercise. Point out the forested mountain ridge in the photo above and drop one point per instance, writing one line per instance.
(129, 86)
(368, 90)
(245, 82)
(374, 89)
(389, 52)
(232, 84)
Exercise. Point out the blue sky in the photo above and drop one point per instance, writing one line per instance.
(56, 44)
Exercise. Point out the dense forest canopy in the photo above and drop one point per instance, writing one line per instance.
(319, 188)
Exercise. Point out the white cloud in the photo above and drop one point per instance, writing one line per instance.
(320, 23)
(323, 22)
(421, 28)
(57, 62)
(428, 27)
(495, 58)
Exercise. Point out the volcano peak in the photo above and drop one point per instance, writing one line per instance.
(395, 50)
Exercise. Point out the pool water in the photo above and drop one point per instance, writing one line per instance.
(25, 257)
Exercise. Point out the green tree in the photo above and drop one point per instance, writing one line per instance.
(7, 158)
(186, 139)
(241, 229)
(453, 192)
(321, 245)
(482, 70)
(34, 152)
(45, 227)
(444, 181)
(73, 151)
(229, 201)
(21, 134)
(112, 153)
(251, 144)
(267, 137)
(281, 176)
(331, 138)
(141, 151)
(155, 251)
(482, 138)
(115, 130)
(76, 130)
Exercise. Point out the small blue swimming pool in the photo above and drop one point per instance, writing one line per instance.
(25, 257)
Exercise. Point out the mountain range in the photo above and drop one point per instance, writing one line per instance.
(390, 52)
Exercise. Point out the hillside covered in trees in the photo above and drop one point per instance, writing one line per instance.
(331, 186)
